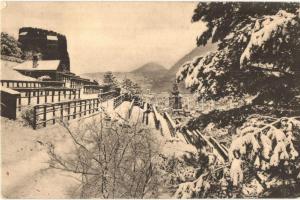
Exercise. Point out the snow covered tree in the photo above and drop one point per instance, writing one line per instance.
(131, 87)
(258, 51)
(10, 46)
(258, 55)
(269, 148)
(110, 79)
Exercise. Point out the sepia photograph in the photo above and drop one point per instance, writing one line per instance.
(150, 99)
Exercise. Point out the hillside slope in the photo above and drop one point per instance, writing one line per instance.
(145, 76)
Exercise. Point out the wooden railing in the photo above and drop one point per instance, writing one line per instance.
(146, 112)
(171, 124)
(221, 149)
(196, 138)
(51, 113)
(32, 96)
(31, 84)
(156, 120)
(119, 100)
(130, 108)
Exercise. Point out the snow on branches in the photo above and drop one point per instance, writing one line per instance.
(268, 145)
(197, 188)
(256, 48)
(272, 41)
(204, 74)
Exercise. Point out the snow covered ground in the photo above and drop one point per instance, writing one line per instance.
(25, 172)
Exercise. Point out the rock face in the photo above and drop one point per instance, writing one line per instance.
(49, 44)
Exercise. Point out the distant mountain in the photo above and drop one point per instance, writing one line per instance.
(165, 83)
(145, 76)
(152, 70)
(155, 76)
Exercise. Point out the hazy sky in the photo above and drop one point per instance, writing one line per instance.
(117, 36)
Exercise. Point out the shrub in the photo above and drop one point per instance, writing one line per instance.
(10, 46)
(27, 115)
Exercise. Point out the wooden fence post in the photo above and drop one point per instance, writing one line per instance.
(46, 93)
(80, 108)
(70, 94)
(62, 112)
(89, 106)
(29, 97)
(59, 96)
(143, 120)
(38, 96)
(53, 92)
(97, 104)
(69, 110)
(45, 115)
(20, 98)
(34, 123)
(147, 120)
(74, 115)
(53, 113)
(93, 105)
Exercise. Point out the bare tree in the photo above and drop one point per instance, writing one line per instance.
(113, 157)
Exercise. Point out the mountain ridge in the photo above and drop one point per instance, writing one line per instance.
(153, 75)
(147, 65)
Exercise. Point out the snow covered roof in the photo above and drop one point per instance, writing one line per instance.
(10, 91)
(41, 65)
(8, 73)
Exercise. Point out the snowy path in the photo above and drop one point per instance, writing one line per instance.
(137, 115)
(122, 110)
